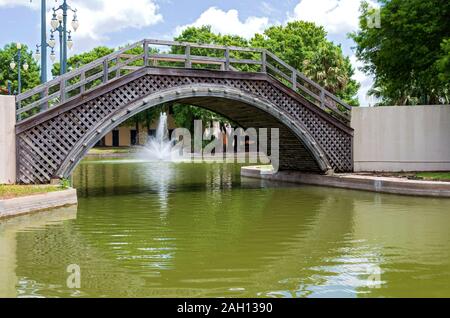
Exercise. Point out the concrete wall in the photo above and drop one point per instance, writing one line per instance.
(402, 138)
(7, 140)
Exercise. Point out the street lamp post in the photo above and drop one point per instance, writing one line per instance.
(65, 37)
(43, 54)
(9, 87)
(19, 65)
(43, 41)
(59, 24)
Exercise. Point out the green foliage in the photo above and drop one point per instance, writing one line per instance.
(304, 46)
(64, 183)
(15, 191)
(30, 78)
(184, 116)
(146, 117)
(204, 35)
(83, 59)
(434, 176)
(407, 54)
(79, 60)
(293, 43)
(443, 64)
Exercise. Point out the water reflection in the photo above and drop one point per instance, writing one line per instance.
(194, 230)
(10, 232)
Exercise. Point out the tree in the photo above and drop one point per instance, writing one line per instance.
(443, 66)
(304, 46)
(330, 68)
(185, 115)
(83, 59)
(30, 77)
(403, 53)
(204, 35)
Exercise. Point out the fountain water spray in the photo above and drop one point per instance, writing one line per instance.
(160, 147)
(179, 149)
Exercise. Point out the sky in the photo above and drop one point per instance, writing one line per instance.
(117, 22)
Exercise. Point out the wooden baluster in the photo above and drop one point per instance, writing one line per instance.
(83, 85)
(62, 90)
(227, 59)
(264, 61)
(322, 98)
(294, 80)
(188, 61)
(105, 71)
(44, 105)
(146, 53)
(118, 68)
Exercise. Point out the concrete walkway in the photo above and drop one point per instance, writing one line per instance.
(355, 182)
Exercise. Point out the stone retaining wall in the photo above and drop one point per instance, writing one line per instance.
(356, 182)
(34, 203)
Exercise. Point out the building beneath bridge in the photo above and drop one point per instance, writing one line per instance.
(127, 135)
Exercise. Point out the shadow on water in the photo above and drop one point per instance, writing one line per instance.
(169, 230)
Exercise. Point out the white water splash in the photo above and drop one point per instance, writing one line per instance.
(160, 147)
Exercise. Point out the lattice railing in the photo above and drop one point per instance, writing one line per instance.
(157, 53)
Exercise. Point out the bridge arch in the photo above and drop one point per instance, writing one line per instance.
(191, 93)
(51, 143)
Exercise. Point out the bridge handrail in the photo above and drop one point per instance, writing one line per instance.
(75, 72)
(56, 90)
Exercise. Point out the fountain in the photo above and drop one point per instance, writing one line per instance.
(160, 147)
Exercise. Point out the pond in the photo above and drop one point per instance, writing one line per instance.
(145, 229)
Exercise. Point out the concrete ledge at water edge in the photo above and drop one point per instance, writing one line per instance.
(355, 182)
(39, 202)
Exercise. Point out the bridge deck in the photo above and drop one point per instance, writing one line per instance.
(169, 54)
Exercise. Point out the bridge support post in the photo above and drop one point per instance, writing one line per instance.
(7, 139)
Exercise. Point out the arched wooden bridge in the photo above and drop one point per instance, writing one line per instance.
(58, 122)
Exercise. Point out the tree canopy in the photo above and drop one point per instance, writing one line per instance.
(409, 54)
(443, 64)
(30, 77)
(185, 115)
(83, 58)
(304, 46)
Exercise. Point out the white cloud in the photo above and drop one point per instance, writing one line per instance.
(337, 16)
(15, 3)
(99, 18)
(228, 22)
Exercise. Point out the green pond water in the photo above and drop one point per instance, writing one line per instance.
(200, 230)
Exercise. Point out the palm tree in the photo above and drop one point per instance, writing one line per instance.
(328, 67)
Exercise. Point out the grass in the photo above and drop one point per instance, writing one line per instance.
(14, 191)
(434, 176)
(109, 150)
